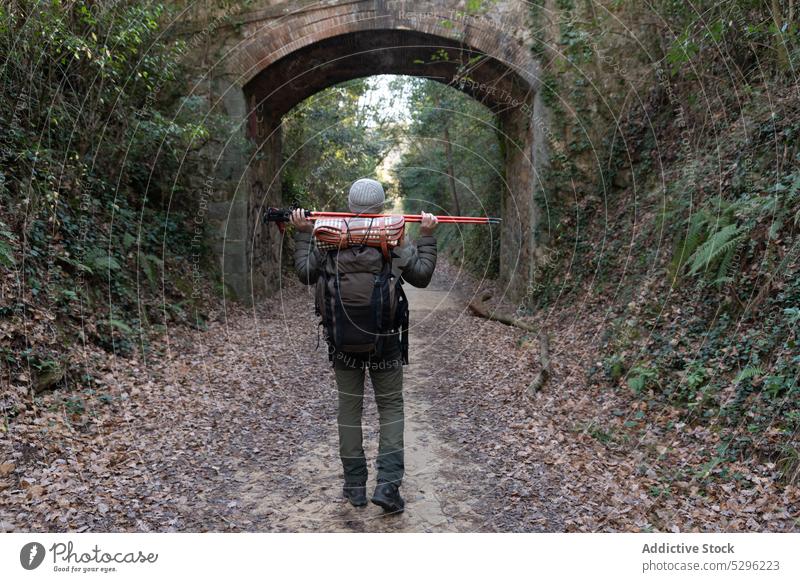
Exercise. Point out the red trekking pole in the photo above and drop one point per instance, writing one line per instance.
(314, 215)
(281, 216)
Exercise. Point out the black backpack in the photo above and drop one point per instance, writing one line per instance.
(361, 302)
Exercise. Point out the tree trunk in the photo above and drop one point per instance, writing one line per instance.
(478, 308)
(451, 169)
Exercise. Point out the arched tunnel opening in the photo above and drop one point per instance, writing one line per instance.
(285, 83)
(431, 146)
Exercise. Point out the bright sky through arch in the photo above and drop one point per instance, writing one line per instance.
(390, 95)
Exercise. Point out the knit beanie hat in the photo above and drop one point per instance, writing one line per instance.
(366, 197)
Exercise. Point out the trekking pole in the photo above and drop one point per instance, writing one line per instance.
(447, 219)
(281, 216)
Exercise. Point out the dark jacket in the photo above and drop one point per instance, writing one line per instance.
(414, 262)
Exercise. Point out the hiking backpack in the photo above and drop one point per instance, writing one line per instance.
(360, 302)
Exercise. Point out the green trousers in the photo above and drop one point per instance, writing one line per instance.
(387, 382)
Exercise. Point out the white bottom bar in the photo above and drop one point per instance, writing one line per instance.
(401, 557)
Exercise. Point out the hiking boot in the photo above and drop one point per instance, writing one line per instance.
(355, 493)
(387, 495)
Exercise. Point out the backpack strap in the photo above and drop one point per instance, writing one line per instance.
(402, 320)
(384, 238)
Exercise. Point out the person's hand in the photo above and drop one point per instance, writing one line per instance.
(300, 222)
(428, 224)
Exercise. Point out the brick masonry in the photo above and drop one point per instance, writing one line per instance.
(255, 63)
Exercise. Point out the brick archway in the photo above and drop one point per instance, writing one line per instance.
(260, 63)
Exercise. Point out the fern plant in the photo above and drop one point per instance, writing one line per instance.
(749, 373)
(6, 255)
(695, 235)
(718, 249)
(6, 250)
(711, 242)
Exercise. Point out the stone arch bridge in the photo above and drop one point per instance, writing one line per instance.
(253, 61)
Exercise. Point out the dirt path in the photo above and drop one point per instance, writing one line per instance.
(275, 466)
(433, 465)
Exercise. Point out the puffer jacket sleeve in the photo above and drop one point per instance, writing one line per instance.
(419, 261)
(307, 259)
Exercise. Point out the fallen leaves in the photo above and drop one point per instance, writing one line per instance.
(184, 429)
(598, 459)
(35, 491)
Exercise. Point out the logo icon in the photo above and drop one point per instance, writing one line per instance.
(32, 555)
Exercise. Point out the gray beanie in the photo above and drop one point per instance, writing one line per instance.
(366, 197)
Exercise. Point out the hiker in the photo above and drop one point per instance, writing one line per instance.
(340, 270)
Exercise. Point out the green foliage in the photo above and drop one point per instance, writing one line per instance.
(331, 140)
(714, 174)
(642, 378)
(747, 34)
(614, 367)
(6, 250)
(792, 316)
(749, 373)
(97, 157)
(120, 325)
(100, 261)
(714, 234)
(687, 246)
(451, 164)
(151, 265)
(717, 249)
(75, 405)
(108, 74)
(789, 464)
